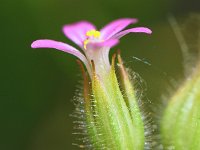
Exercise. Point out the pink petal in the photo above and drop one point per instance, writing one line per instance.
(59, 46)
(115, 27)
(77, 31)
(109, 43)
(135, 30)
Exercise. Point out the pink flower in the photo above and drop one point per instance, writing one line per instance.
(94, 44)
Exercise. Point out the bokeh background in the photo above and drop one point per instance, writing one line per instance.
(37, 86)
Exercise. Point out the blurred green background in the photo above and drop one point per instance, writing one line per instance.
(37, 86)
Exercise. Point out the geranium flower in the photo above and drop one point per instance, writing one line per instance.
(94, 44)
(111, 119)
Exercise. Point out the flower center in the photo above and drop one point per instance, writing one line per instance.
(93, 35)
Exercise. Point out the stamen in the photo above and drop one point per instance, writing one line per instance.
(93, 33)
(85, 43)
(90, 33)
(96, 34)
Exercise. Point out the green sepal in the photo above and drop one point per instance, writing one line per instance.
(113, 119)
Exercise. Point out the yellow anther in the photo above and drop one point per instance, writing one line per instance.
(93, 33)
(90, 33)
(97, 34)
(85, 43)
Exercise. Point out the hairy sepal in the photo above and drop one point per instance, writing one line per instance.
(113, 119)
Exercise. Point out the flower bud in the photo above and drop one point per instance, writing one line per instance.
(180, 128)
